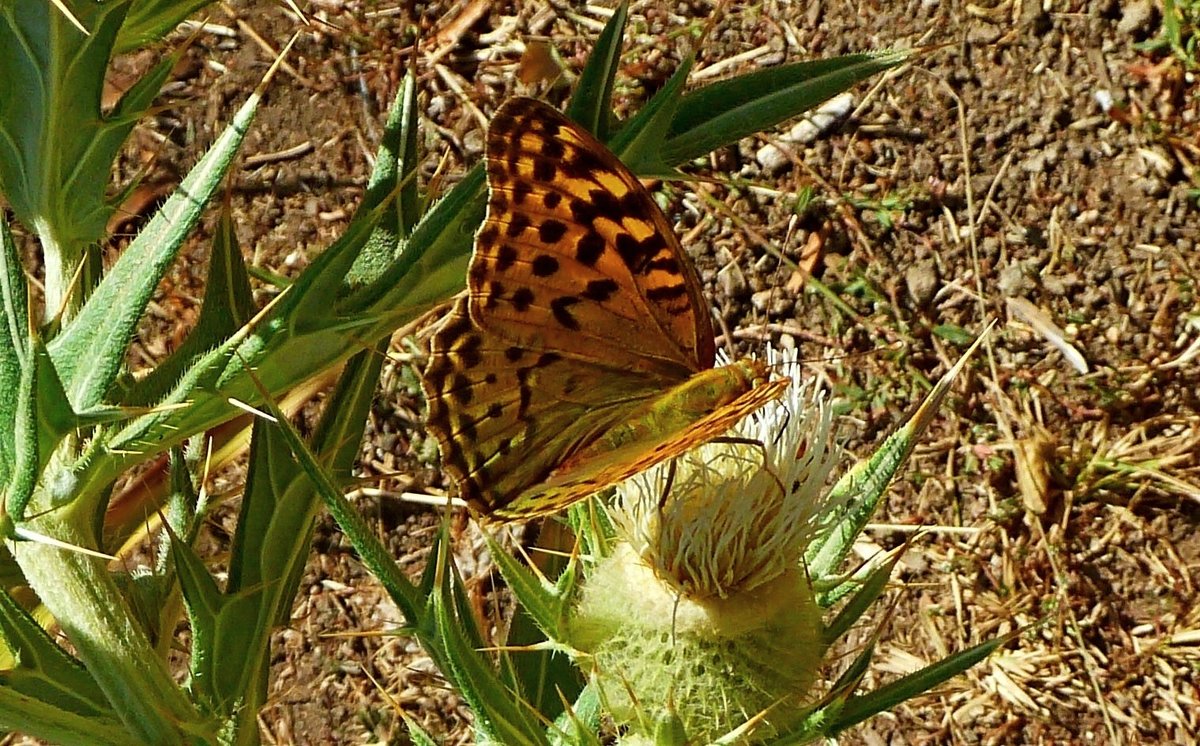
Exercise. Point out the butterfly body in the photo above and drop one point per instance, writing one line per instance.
(676, 409)
(582, 353)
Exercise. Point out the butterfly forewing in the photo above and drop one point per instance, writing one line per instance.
(575, 252)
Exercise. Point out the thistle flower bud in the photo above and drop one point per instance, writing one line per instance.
(703, 608)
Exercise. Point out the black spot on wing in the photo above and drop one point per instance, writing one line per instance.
(460, 389)
(550, 128)
(524, 392)
(584, 164)
(589, 248)
(667, 292)
(506, 257)
(632, 252)
(552, 148)
(583, 211)
(636, 254)
(525, 387)
(492, 293)
(551, 231)
(600, 290)
(503, 124)
(520, 191)
(544, 266)
(478, 273)
(633, 203)
(561, 308)
(666, 263)
(544, 170)
(522, 299)
(468, 350)
(487, 237)
(606, 205)
(517, 224)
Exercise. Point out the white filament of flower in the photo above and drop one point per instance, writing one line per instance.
(736, 513)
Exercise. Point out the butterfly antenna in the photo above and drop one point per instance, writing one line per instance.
(762, 448)
(787, 420)
(726, 336)
(859, 353)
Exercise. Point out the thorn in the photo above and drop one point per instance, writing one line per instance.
(247, 408)
(28, 535)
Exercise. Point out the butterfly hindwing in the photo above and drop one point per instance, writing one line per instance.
(507, 417)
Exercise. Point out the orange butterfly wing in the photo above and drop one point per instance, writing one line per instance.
(582, 353)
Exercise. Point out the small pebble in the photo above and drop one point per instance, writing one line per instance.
(1135, 16)
(1014, 280)
(731, 280)
(922, 281)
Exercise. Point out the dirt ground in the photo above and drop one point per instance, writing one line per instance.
(1033, 170)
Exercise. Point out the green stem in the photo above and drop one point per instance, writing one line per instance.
(59, 262)
(80, 593)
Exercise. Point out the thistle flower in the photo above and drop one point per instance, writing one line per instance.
(703, 613)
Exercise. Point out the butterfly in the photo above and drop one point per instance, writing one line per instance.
(582, 352)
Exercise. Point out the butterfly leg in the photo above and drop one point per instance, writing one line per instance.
(733, 440)
(662, 501)
(787, 420)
